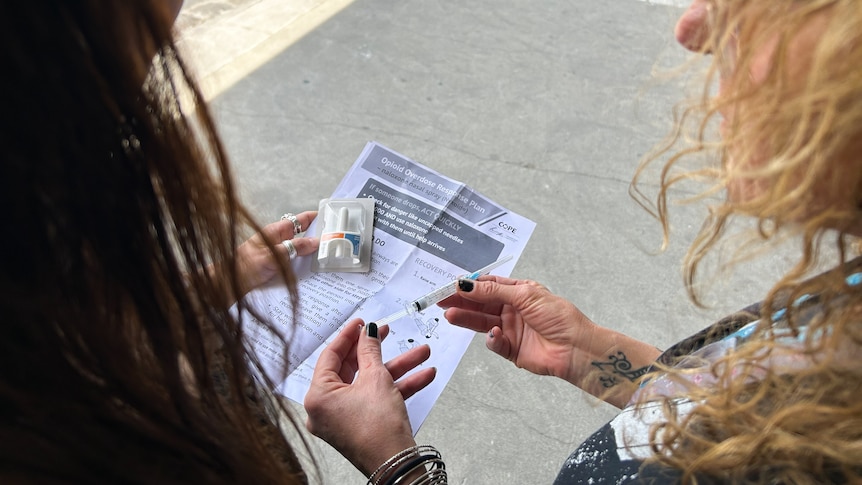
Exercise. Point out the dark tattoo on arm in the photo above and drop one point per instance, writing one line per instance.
(616, 367)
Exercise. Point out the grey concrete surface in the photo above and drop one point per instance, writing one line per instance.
(544, 106)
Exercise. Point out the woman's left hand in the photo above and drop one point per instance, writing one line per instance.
(256, 263)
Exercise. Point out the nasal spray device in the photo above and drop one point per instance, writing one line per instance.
(440, 294)
(345, 235)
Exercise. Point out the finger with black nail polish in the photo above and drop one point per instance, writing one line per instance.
(465, 285)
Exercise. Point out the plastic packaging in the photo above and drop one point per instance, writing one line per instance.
(345, 235)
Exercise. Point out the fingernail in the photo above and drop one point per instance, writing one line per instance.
(465, 285)
(371, 330)
(491, 333)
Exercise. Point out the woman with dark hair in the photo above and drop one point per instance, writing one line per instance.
(120, 359)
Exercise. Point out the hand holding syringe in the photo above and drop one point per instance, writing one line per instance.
(439, 294)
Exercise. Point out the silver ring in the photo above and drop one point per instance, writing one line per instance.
(290, 216)
(291, 248)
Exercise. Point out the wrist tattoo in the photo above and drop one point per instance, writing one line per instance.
(617, 367)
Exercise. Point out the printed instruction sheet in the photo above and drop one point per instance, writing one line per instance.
(428, 231)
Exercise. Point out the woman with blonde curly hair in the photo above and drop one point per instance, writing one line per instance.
(773, 393)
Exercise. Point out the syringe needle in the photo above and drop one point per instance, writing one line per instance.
(439, 294)
(491, 267)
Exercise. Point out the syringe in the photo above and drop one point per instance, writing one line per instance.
(439, 294)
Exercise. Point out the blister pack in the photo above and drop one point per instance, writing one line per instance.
(345, 235)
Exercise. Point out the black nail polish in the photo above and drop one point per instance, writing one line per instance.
(371, 330)
(465, 285)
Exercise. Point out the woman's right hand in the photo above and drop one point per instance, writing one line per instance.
(546, 334)
(356, 401)
(523, 321)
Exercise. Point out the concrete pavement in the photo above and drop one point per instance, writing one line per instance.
(545, 107)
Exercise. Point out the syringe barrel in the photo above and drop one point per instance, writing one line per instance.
(431, 298)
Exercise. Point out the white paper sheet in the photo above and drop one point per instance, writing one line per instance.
(428, 230)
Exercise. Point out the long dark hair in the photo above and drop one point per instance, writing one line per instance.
(119, 357)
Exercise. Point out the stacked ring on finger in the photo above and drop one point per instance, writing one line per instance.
(291, 248)
(297, 226)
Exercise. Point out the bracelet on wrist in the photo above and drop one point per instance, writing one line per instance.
(390, 464)
(411, 464)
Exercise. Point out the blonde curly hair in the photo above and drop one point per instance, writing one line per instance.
(790, 157)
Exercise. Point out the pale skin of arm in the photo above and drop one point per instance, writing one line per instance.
(546, 334)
